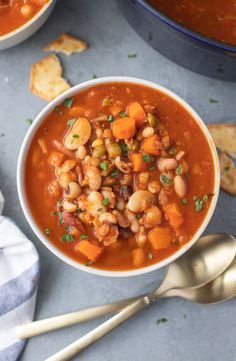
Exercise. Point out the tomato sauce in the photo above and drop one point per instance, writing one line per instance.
(213, 18)
(185, 134)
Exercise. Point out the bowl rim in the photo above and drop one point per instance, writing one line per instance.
(28, 23)
(185, 30)
(21, 186)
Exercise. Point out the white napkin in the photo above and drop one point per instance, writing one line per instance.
(19, 275)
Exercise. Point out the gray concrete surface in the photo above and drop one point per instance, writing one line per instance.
(193, 332)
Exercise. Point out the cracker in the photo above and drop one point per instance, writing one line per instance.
(46, 78)
(67, 44)
(224, 136)
(227, 174)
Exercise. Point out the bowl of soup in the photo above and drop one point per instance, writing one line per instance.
(197, 34)
(19, 19)
(118, 176)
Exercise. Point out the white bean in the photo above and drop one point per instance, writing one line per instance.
(180, 186)
(167, 164)
(147, 132)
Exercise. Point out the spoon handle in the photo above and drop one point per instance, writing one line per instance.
(55, 323)
(79, 345)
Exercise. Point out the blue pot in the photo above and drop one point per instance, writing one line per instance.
(180, 44)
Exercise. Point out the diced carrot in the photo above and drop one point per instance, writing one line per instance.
(56, 158)
(89, 250)
(136, 111)
(124, 128)
(115, 109)
(138, 163)
(138, 257)
(159, 238)
(174, 215)
(76, 111)
(151, 145)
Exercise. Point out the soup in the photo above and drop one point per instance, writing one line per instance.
(120, 176)
(213, 18)
(15, 13)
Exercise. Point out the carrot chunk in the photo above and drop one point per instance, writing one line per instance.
(90, 250)
(151, 145)
(160, 238)
(56, 158)
(124, 128)
(138, 163)
(174, 215)
(136, 111)
(115, 109)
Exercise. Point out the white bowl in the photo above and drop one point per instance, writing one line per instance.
(29, 28)
(21, 186)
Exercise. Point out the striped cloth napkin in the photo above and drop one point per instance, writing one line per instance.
(19, 275)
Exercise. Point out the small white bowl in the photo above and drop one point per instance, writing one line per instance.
(21, 186)
(29, 28)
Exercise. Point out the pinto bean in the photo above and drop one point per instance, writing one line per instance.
(121, 219)
(72, 191)
(180, 186)
(167, 164)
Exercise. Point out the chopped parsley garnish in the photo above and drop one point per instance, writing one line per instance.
(213, 101)
(71, 122)
(94, 76)
(150, 255)
(199, 202)
(59, 214)
(187, 174)
(57, 109)
(88, 263)
(164, 179)
(68, 102)
(105, 201)
(78, 210)
(152, 168)
(67, 237)
(100, 209)
(29, 121)
(179, 170)
(173, 151)
(161, 320)
(75, 135)
(122, 114)
(147, 158)
(124, 147)
(184, 201)
(84, 236)
(47, 231)
(110, 118)
(114, 173)
(138, 216)
(103, 166)
(130, 56)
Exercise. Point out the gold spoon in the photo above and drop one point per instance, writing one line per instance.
(207, 259)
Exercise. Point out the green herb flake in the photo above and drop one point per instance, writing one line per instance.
(173, 151)
(67, 237)
(59, 214)
(138, 216)
(47, 231)
(71, 122)
(124, 147)
(179, 170)
(131, 56)
(100, 209)
(29, 121)
(161, 320)
(199, 202)
(57, 110)
(214, 101)
(150, 255)
(110, 118)
(84, 236)
(105, 201)
(114, 173)
(78, 210)
(184, 201)
(68, 102)
(152, 168)
(75, 135)
(103, 166)
(122, 114)
(94, 76)
(147, 158)
(88, 263)
(187, 174)
(164, 179)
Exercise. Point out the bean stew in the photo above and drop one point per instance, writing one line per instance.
(120, 176)
(15, 13)
(213, 18)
